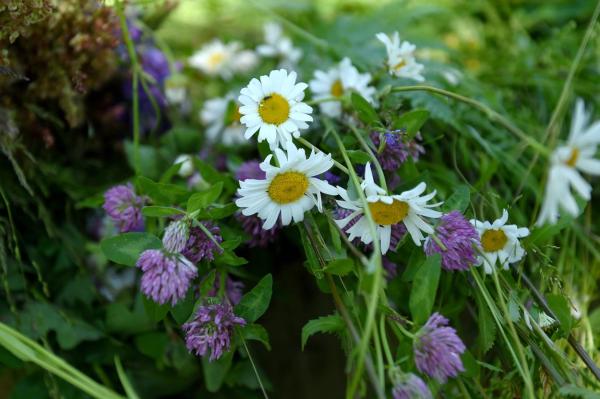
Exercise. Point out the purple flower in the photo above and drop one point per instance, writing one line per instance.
(124, 207)
(391, 269)
(458, 236)
(259, 237)
(250, 170)
(176, 236)
(199, 246)
(437, 349)
(410, 386)
(211, 330)
(166, 277)
(396, 151)
(331, 178)
(233, 289)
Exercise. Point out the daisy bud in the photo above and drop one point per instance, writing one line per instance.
(438, 348)
(211, 329)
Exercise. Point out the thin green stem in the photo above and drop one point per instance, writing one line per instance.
(209, 234)
(379, 356)
(131, 394)
(551, 131)
(490, 113)
(384, 341)
(307, 144)
(369, 151)
(134, 86)
(515, 336)
(258, 379)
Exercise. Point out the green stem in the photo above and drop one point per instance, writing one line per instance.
(131, 394)
(258, 379)
(369, 151)
(307, 144)
(208, 234)
(384, 341)
(134, 87)
(490, 113)
(379, 356)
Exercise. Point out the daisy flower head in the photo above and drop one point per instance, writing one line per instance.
(401, 57)
(499, 242)
(407, 208)
(215, 59)
(567, 161)
(186, 168)
(277, 45)
(337, 82)
(221, 116)
(273, 107)
(289, 189)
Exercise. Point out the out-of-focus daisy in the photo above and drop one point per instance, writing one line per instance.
(408, 208)
(244, 61)
(567, 161)
(289, 189)
(337, 82)
(401, 57)
(187, 166)
(175, 89)
(222, 117)
(216, 58)
(499, 242)
(277, 45)
(273, 107)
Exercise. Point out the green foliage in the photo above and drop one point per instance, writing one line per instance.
(424, 288)
(326, 324)
(256, 301)
(126, 248)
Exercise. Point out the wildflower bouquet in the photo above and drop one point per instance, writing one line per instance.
(434, 229)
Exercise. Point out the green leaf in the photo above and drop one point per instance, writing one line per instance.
(183, 309)
(326, 324)
(161, 193)
(152, 344)
(230, 258)
(311, 257)
(561, 308)
(364, 109)
(155, 311)
(256, 302)
(486, 326)
(203, 199)
(459, 200)
(126, 248)
(358, 156)
(424, 287)
(339, 267)
(412, 121)
(161, 211)
(255, 332)
(215, 372)
(578, 392)
(218, 211)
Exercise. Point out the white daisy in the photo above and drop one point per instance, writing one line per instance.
(401, 57)
(277, 45)
(244, 61)
(273, 107)
(222, 117)
(216, 58)
(499, 242)
(337, 82)
(175, 89)
(408, 208)
(289, 189)
(566, 163)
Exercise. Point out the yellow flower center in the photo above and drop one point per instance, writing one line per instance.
(274, 109)
(288, 187)
(337, 89)
(215, 59)
(387, 214)
(493, 240)
(573, 158)
(400, 65)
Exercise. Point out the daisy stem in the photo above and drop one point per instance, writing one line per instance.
(305, 143)
(490, 113)
(375, 267)
(384, 341)
(134, 86)
(369, 151)
(551, 131)
(379, 356)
